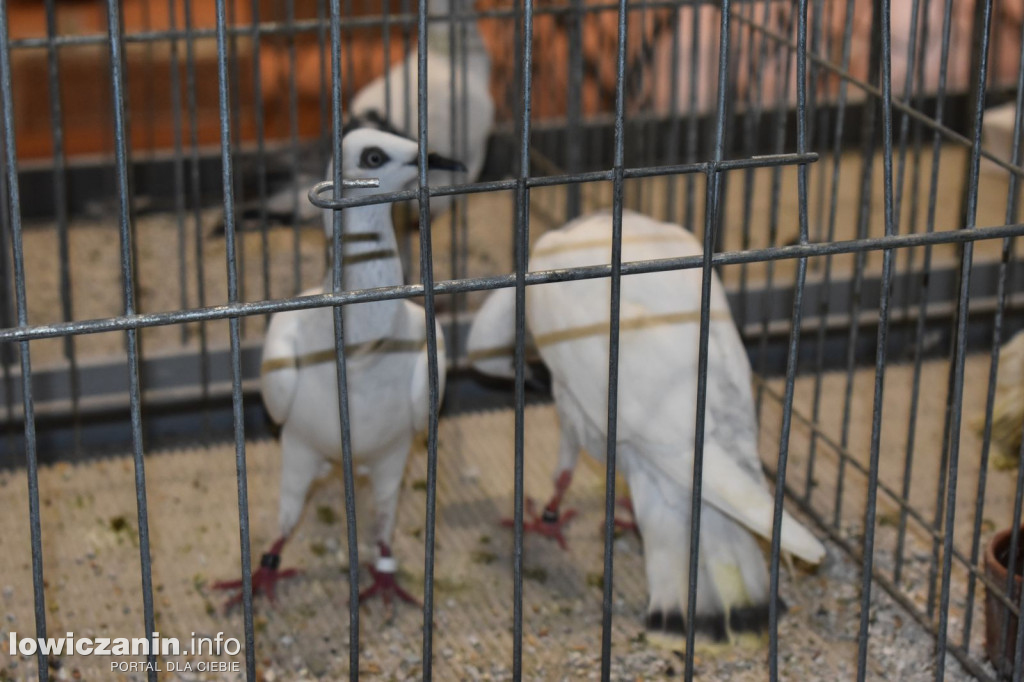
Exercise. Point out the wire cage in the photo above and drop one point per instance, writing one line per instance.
(851, 170)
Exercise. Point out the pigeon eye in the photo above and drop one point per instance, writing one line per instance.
(373, 157)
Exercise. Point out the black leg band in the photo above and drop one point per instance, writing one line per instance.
(270, 561)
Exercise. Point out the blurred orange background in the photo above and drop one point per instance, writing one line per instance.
(85, 86)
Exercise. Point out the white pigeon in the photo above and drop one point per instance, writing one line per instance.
(381, 104)
(385, 99)
(386, 362)
(659, 327)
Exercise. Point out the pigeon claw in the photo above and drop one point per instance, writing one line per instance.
(626, 526)
(264, 580)
(548, 523)
(386, 586)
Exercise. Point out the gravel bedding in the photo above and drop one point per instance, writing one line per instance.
(92, 568)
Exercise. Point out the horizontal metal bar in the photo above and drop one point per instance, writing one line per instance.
(765, 161)
(221, 312)
(171, 374)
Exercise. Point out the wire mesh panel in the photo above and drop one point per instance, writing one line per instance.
(183, 180)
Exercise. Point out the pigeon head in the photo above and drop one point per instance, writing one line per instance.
(391, 158)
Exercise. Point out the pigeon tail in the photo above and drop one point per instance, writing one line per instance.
(732, 583)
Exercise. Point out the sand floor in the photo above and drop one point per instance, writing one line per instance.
(92, 566)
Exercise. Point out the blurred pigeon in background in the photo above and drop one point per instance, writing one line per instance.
(458, 127)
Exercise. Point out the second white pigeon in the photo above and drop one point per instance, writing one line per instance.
(658, 358)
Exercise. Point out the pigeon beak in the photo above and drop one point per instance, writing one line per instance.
(437, 162)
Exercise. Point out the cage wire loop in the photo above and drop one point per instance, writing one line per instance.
(315, 192)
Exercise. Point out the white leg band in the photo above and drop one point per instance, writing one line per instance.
(386, 564)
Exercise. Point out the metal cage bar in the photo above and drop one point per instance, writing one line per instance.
(711, 205)
(31, 463)
(227, 179)
(524, 32)
(337, 226)
(434, 399)
(791, 361)
(128, 284)
(613, 345)
(881, 10)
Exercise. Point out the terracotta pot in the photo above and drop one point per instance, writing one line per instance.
(996, 560)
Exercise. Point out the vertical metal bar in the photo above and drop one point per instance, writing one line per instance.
(794, 345)
(293, 146)
(655, 147)
(261, 158)
(817, 111)
(348, 82)
(179, 163)
(457, 135)
(149, 101)
(675, 122)
(920, 327)
(128, 288)
(227, 179)
(692, 128)
(427, 279)
(1012, 199)
(917, 135)
(711, 206)
(823, 300)
(757, 104)
(729, 142)
(31, 463)
(573, 109)
(634, 154)
(868, 145)
(385, 36)
(338, 220)
(933, 569)
(522, 247)
(406, 123)
(915, 53)
(751, 129)
(904, 117)
(781, 109)
(60, 200)
(960, 351)
(405, 236)
(882, 10)
(192, 94)
(325, 101)
(613, 347)
(461, 256)
(7, 314)
(235, 120)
